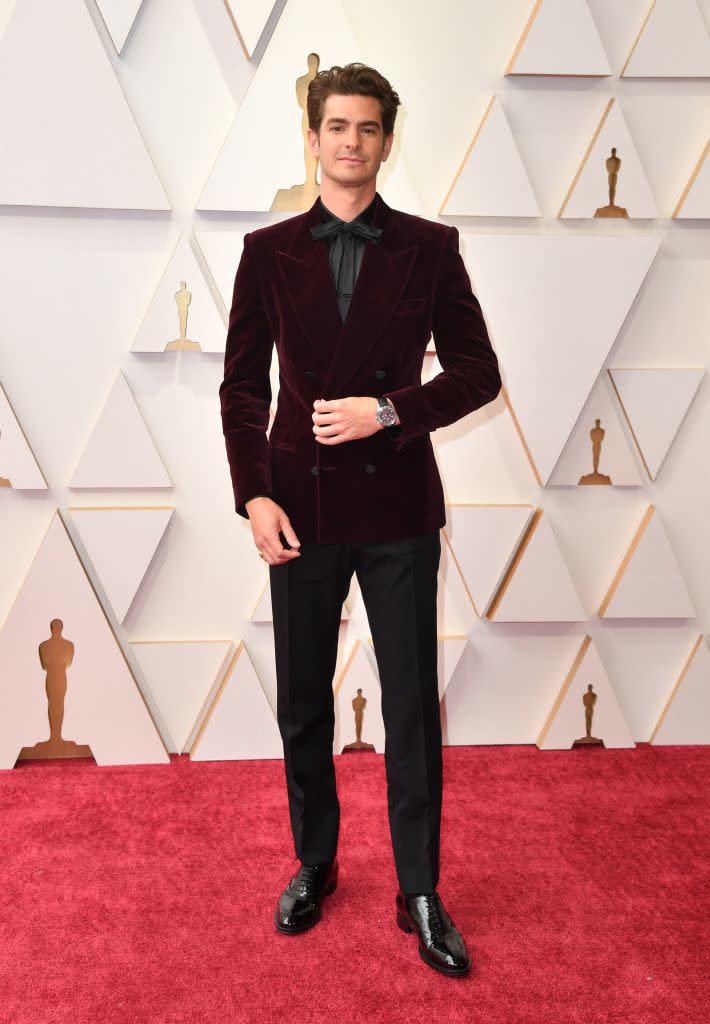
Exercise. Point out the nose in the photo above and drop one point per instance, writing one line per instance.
(352, 139)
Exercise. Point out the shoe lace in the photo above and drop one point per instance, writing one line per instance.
(435, 919)
(307, 876)
(309, 873)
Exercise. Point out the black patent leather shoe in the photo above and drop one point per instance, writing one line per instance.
(299, 906)
(441, 945)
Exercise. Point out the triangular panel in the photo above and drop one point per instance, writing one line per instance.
(685, 719)
(449, 653)
(532, 288)
(484, 539)
(240, 723)
(69, 129)
(610, 182)
(222, 251)
(648, 584)
(121, 543)
(118, 16)
(250, 18)
(120, 452)
(694, 203)
(560, 38)
(18, 466)
(597, 452)
(538, 586)
(491, 452)
(182, 314)
(102, 704)
(262, 609)
(586, 709)
(673, 43)
(454, 612)
(655, 402)
(492, 181)
(179, 676)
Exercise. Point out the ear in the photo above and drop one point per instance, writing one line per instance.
(313, 143)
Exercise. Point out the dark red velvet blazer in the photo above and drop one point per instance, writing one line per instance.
(414, 283)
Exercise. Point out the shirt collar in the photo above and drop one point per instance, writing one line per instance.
(364, 217)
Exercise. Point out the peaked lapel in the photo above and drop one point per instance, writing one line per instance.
(305, 271)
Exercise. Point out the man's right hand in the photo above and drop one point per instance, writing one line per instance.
(267, 519)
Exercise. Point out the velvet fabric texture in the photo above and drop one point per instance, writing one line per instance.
(414, 283)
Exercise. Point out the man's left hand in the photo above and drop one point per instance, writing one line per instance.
(344, 419)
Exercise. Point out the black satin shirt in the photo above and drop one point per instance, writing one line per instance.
(345, 255)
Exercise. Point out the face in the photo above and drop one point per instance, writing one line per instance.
(351, 145)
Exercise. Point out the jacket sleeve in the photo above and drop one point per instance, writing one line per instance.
(245, 392)
(470, 377)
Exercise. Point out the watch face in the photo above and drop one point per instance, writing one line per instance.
(386, 416)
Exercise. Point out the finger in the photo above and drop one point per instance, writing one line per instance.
(289, 532)
(327, 429)
(262, 545)
(279, 552)
(324, 417)
(287, 556)
(266, 544)
(269, 556)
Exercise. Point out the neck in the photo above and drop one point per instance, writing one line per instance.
(347, 203)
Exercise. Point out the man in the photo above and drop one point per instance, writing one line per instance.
(347, 481)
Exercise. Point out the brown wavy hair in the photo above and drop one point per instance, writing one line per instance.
(354, 79)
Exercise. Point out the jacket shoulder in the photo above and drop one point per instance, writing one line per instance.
(278, 235)
(428, 233)
(421, 226)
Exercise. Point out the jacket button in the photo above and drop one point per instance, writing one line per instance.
(369, 468)
(310, 373)
(314, 470)
(379, 374)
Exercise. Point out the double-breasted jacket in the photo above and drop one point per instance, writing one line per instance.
(412, 285)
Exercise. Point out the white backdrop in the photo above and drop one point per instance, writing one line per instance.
(77, 280)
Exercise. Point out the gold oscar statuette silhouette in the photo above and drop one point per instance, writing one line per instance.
(597, 435)
(300, 198)
(359, 704)
(4, 482)
(613, 165)
(182, 299)
(55, 656)
(589, 699)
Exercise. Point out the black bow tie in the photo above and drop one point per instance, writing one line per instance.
(334, 227)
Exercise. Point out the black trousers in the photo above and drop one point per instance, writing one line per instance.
(398, 581)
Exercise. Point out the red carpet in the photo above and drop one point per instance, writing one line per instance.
(580, 879)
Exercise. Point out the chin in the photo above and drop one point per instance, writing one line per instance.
(351, 179)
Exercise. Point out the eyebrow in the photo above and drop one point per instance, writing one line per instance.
(344, 120)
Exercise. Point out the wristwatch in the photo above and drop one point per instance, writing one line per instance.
(385, 414)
